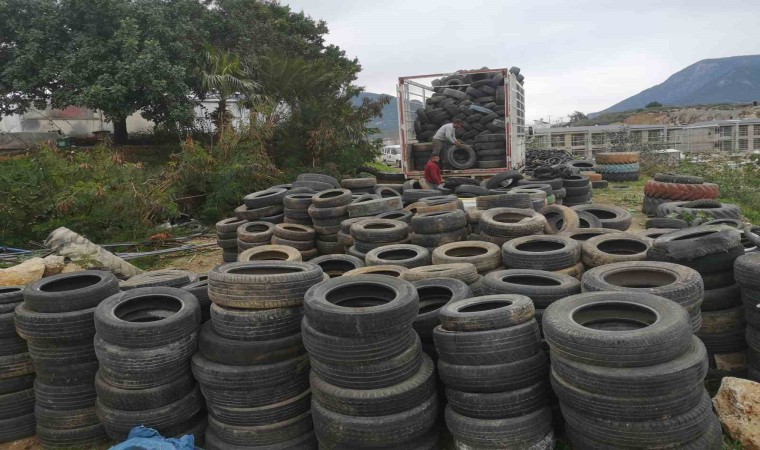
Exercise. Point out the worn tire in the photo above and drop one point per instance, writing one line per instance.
(269, 253)
(68, 292)
(516, 432)
(559, 219)
(547, 252)
(483, 255)
(487, 347)
(511, 222)
(615, 248)
(610, 216)
(406, 255)
(543, 288)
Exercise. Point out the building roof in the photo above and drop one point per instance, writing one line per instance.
(614, 128)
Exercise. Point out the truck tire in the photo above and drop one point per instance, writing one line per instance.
(541, 252)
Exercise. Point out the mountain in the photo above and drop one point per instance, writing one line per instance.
(388, 123)
(723, 80)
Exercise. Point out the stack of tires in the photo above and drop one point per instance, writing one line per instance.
(369, 234)
(300, 237)
(499, 225)
(372, 385)
(316, 182)
(252, 365)
(668, 187)
(605, 346)
(431, 230)
(56, 320)
(254, 234)
(421, 154)
(327, 211)
(554, 188)
(263, 206)
(145, 339)
(747, 272)
(434, 294)
(618, 166)
(296, 206)
(227, 238)
(359, 185)
(16, 372)
(552, 253)
(495, 373)
(483, 255)
(490, 151)
(578, 190)
(711, 250)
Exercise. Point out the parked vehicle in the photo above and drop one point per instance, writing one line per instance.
(391, 155)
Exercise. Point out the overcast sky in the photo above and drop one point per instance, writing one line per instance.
(581, 55)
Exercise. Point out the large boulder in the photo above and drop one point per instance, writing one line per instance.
(738, 405)
(53, 265)
(23, 274)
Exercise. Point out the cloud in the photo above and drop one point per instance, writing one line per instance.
(582, 55)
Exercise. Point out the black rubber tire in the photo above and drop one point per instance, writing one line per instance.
(297, 202)
(438, 222)
(488, 347)
(709, 248)
(588, 220)
(508, 200)
(610, 216)
(306, 441)
(86, 437)
(143, 399)
(666, 338)
(261, 415)
(547, 252)
(746, 268)
(17, 428)
(15, 384)
(319, 178)
(70, 419)
(242, 353)
(434, 294)
(582, 191)
(432, 241)
(402, 215)
(374, 207)
(10, 297)
(262, 284)
(331, 198)
(61, 354)
(364, 432)
(699, 208)
(378, 304)
(543, 288)
(717, 279)
(229, 225)
(54, 328)
(621, 177)
(293, 233)
(511, 222)
(485, 313)
(721, 298)
(258, 325)
(262, 435)
(500, 405)
(615, 248)
(559, 219)
(200, 290)
(454, 157)
(16, 404)
(484, 255)
(377, 402)
(650, 205)
(71, 394)
(68, 292)
(120, 318)
(517, 432)
(405, 255)
(661, 222)
(465, 272)
(337, 265)
(468, 191)
(504, 179)
(496, 378)
(267, 197)
(675, 178)
(374, 230)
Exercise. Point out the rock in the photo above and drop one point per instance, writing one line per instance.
(72, 267)
(53, 265)
(23, 274)
(738, 406)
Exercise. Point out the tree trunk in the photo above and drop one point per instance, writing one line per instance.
(120, 134)
(222, 110)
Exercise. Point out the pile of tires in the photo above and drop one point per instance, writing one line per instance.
(604, 347)
(227, 237)
(372, 385)
(578, 190)
(552, 253)
(545, 158)
(296, 206)
(499, 225)
(434, 294)
(747, 272)
(540, 195)
(251, 364)
(698, 209)
(144, 341)
(431, 230)
(16, 372)
(477, 99)
(490, 151)
(485, 256)
(712, 250)
(56, 320)
(421, 153)
(495, 373)
(263, 206)
(253, 234)
(360, 185)
(368, 234)
(328, 209)
(668, 187)
(618, 166)
(299, 237)
(681, 284)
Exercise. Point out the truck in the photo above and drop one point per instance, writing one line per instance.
(490, 102)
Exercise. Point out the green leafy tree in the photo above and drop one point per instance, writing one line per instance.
(653, 105)
(117, 56)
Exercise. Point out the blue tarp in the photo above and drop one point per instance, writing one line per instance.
(144, 438)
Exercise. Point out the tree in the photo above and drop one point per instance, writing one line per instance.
(576, 117)
(653, 105)
(224, 75)
(117, 56)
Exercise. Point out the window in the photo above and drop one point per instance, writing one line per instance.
(540, 141)
(743, 130)
(726, 146)
(597, 139)
(558, 140)
(756, 130)
(654, 135)
(725, 131)
(743, 144)
(578, 139)
(637, 136)
(756, 144)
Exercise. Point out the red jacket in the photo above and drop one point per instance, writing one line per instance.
(433, 173)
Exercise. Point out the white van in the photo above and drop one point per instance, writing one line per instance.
(391, 155)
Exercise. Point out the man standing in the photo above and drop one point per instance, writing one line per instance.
(433, 171)
(446, 136)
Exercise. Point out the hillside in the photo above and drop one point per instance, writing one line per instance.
(723, 80)
(673, 115)
(388, 123)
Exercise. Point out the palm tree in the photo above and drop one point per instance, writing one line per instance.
(224, 74)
